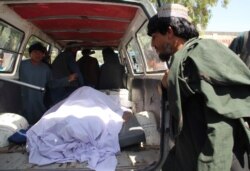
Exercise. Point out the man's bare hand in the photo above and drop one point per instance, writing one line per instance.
(164, 80)
(72, 77)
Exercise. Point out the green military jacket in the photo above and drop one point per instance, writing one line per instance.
(209, 96)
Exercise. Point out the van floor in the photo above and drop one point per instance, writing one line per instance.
(15, 157)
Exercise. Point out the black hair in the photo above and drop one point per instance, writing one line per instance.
(87, 52)
(37, 46)
(109, 55)
(72, 44)
(181, 27)
(107, 50)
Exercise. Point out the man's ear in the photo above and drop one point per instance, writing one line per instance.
(170, 32)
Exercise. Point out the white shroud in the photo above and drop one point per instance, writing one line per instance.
(83, 127)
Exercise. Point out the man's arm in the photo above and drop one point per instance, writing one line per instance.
(237, 44)
(73, 67)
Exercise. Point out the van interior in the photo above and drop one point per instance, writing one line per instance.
(121, 25)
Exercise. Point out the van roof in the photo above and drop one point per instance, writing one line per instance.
(90, 23)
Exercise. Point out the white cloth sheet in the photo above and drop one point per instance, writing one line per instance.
(83, 127)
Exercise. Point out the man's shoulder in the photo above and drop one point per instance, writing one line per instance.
(206, 40)
(205, 43)
(87, 59)
(92, 60)
(200, 44)
(60, 58)
(45, 66)
(25, 62)
(205, 48)
(64, 54)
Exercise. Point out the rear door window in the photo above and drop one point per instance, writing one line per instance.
(153, 62)
(54, 52)
(135, 56)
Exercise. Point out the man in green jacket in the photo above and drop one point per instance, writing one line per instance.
(208, 89)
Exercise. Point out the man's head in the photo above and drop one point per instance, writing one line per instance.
(86, 52)
(72, 46)
(109, 55)
(107, 51)
(170, 29)
(37, 52)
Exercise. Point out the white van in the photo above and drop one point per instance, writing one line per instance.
(121, 25)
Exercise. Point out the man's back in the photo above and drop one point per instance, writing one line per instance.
(64, 66)
(60, 67)
(89, 68)
(111, 72)
(111, 76)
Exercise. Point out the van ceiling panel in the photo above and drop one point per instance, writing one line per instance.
(88, 24)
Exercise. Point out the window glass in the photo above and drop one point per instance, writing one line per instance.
(98, 56)
(153, 62)
(53, 53)
(11, 38)
(7, 61)
(135, 56)
(10, 42)
(124, 60)
(31, 41)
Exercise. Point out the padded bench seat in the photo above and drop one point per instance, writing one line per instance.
(131, 133)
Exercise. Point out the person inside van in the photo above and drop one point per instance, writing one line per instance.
(89, 68)
(208, 89)
(63, 66)
(35, 72)
(111, 72)
(241, 46)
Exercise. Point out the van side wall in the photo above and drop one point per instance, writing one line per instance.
(145, 96)
(10, 99)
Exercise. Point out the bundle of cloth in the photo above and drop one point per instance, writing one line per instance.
(83, 127)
